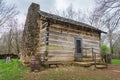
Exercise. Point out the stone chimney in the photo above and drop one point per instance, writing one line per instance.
(32, 30)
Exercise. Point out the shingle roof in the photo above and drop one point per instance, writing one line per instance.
(66, 20)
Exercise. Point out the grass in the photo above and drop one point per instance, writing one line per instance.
(15, 71)
(11, 71)
(116, 61)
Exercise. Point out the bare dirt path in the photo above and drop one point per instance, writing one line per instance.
(75, 73)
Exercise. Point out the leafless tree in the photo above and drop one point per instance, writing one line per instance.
(11, 41)
(6, 12)
(3, 48)
(70, 13)
(17, 35)
(116, 45)
(106, 16)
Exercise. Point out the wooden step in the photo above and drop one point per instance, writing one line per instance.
(101, 66)
(92, 62)
(83, 64)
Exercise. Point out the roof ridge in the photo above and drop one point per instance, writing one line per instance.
(64, 19)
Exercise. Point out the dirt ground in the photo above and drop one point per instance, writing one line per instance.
(75, 73)
(113, 71)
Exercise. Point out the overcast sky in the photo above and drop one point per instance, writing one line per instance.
(49, 5)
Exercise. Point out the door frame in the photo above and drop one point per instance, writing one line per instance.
(77, 38)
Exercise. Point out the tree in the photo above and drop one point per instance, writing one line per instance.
(6, 12)
(70, 13)
(106, 16)
(11, 41)
(17, 35)
(116, 45)
(104, 49)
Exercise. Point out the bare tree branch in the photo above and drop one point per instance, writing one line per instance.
(6, 12)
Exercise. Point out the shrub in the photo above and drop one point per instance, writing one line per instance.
(104, 49)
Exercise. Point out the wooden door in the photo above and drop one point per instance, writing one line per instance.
(78, 47)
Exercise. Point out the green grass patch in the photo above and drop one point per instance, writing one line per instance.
(11, 71)
(116, 61)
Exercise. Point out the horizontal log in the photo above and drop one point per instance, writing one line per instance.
(92, 46)
(62, 51)
(56, 46)
(72, 35)
(65, 28)
(61, 37)
(71, 27)
(90, 54)
(51, 32)
(60, 58)
(91, 41)
(61, 33)
(72, 39)
(60, 48)
(73, 30)
(59, 52)
(91, 38)
(60, 55)
(59, 43)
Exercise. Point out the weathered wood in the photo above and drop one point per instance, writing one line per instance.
(62, 51)
(57, 46)
(51, 42)
(58, 52)
(61, 41)
(61, 48)
(91, 41)
(63, 33)
(55, 39)
(72, 29)
(64, 37)
(61, 37)
(72, 35)
(92, 46)
(43, 30)
(60, 58)
(61, 55)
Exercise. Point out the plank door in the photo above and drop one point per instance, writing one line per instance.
(78, 47)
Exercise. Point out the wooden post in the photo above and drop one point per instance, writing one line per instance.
(95, 60)
(82, 52)
(92, 54)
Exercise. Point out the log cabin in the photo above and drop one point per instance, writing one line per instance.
(59, 39)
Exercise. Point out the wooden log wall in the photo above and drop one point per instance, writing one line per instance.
(62, 45)
(43, 38)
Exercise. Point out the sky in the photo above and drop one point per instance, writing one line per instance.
(49, 5)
